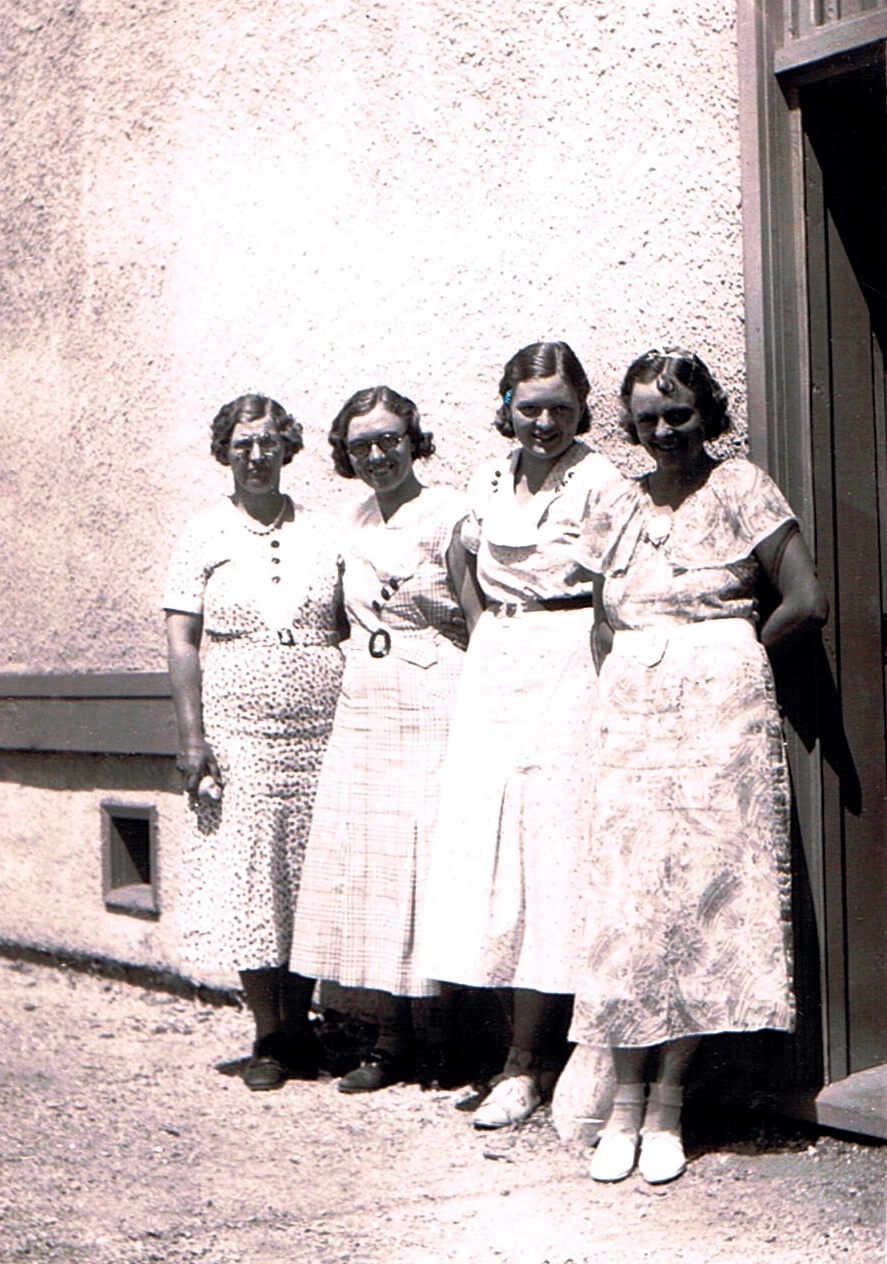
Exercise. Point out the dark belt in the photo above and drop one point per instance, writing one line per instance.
(544, 603)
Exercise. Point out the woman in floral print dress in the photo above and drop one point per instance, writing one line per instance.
(253, 625)
(690, 932)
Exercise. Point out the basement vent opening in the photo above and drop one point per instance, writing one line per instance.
(129, 859)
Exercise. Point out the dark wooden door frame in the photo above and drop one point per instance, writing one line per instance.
(774, 64)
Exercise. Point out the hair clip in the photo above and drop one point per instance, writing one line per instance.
(507, 396)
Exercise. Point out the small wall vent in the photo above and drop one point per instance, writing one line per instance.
(129, 859)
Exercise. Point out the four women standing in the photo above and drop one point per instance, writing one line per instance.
(673, 760)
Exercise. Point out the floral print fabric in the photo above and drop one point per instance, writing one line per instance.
(688, 927)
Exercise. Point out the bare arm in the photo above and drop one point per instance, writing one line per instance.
(601, 632)
(803, 605)
(195, 759)
(462, 569)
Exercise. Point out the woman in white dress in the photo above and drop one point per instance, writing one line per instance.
(503, 904)
(253, 624)
(361, 905)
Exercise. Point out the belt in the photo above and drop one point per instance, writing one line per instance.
(508, 609)
(648, 645)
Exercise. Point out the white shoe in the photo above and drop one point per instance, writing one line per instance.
(662, 1157)
(614, 1156)
(511, 1101)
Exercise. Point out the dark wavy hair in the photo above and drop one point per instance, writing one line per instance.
(248, 408)
(363, 402)
(542, 359)
(667, 365)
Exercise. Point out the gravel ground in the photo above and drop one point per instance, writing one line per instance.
(128, 1137)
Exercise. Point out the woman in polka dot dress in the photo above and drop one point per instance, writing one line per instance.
(253, 625)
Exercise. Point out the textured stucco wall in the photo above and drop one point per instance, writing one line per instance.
(51, 871)
(204, 198)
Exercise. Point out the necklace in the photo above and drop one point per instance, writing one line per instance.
(254, 527)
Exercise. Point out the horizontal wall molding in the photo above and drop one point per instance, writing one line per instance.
(113, 713)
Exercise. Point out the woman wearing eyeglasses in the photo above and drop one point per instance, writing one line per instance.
(252, 616)
(406, 585)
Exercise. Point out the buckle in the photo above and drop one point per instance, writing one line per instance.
(380, 643)
(285, 636)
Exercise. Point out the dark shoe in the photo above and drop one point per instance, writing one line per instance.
(266, 1068)
(301, 1056)
(439, 1066)
(377, 1070)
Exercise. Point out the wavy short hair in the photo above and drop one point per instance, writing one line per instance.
(363, 402)
(674, 364)
(247, 408)
(542, 359)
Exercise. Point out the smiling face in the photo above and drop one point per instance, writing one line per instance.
(545, 414)
(255, 454)
(379, 449)
(668, 426)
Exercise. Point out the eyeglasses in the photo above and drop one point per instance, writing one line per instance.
(360, 449)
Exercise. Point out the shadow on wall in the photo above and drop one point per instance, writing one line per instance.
(42, 770)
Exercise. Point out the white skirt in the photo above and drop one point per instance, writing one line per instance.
(504, 902)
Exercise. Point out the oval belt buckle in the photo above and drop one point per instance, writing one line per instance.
(380, 643)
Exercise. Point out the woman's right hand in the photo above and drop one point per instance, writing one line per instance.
(196, 762)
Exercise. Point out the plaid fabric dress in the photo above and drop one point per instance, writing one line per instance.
(363, 883)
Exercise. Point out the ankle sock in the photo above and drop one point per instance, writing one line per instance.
(664, 1108)
(628, 1109)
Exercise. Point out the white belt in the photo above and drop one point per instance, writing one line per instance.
(648, 645)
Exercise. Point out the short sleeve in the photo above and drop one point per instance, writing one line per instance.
(754, 507)
(186, 577)
(610, 509)
(477, 496)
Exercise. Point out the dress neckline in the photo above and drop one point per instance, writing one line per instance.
(556, 477)
(255, 528)
(644, 482)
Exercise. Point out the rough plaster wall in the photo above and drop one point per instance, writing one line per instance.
(200, 199)
(51, 875)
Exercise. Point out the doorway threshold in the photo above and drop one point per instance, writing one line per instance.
(856, 1104)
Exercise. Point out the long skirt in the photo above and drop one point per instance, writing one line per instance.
(689, 914)
(504, 897)
(361, 903)
(268, 711)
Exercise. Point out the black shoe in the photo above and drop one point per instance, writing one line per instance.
(439, 1066)
(266, 1068)
(301, 1055)
(377, 1070)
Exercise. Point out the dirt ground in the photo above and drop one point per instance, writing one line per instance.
(127, 1136)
